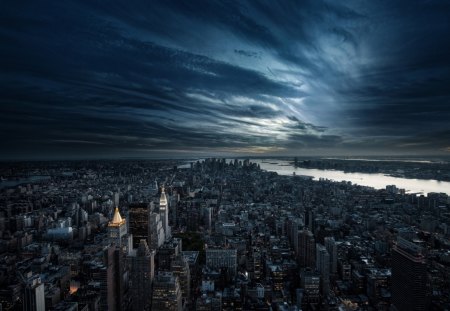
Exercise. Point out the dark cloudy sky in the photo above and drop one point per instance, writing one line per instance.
(178, 78)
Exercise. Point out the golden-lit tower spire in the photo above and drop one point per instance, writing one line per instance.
(117, 230)
(117, 219)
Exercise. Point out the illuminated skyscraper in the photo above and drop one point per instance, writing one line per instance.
(164, 212)
(117, 231)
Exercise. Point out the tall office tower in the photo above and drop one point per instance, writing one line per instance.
(323, 266)
(295, 226)
(409, 276)
(138, 220)
(180, 268)
(34, 296)
(117, 231)
(164, 211)
(306, 248)
(331, 247)
(222, 258)
(166, 293)
(142, 274)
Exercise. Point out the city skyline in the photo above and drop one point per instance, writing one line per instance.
(83, 79)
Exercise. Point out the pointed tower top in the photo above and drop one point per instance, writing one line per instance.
(117, 219)
(163, 198)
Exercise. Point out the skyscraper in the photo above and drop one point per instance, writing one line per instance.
(307, 248)
(164, 212)
(409, 277)
(331, 247)
(142, 274)
(323, 266)
(138, 217)
(117, 231)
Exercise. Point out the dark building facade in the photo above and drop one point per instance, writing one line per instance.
(138, 217)
(409, 277)
(142, 274)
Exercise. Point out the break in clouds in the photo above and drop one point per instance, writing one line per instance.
(141, 78)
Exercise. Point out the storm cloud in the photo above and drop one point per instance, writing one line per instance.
(180, 78)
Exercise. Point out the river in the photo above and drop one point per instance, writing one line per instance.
(377, 181)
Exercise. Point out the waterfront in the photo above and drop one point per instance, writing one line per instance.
(378, 181)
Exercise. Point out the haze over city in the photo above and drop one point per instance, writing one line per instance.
(96, 79)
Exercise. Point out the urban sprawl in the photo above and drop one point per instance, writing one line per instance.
(214, 235)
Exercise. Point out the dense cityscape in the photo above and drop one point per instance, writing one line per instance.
(217, 155)
(214, 234)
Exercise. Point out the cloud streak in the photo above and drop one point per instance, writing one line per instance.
(154, 79)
